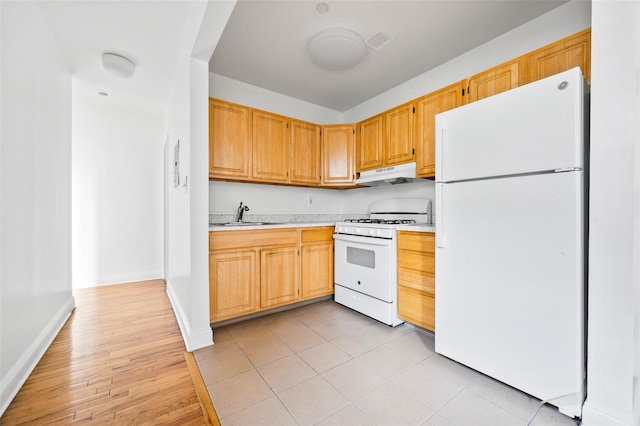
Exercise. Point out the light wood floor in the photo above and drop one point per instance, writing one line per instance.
(119, 359)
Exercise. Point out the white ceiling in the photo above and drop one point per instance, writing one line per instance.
(150, 33)
(265, 42)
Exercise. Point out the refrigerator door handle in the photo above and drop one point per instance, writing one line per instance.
(440, 149)
(440, 240)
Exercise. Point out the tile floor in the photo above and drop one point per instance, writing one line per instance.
(325, 364)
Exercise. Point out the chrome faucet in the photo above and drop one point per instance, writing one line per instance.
(241, 211)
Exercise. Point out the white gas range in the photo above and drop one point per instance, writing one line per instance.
(366, 257)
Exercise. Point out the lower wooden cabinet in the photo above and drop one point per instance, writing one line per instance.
(254, 270)
(416, 278)
(316, 262)
(278, 276)
(232, 289)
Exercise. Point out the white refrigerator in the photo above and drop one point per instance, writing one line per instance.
(511, 221)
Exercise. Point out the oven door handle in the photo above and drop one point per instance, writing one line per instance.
(362, 240)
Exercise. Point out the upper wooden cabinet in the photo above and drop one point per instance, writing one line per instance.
(426, 109)
(369, 143)
(271, 140)
(229, 140)
(251, 145)
(305, 152)
(246, 144)
(570, 52)
(386, 139)
(491, 82)
(398, 142)
(338, 154)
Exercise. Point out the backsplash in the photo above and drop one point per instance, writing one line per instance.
(285, 218)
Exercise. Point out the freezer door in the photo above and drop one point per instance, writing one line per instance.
(532, 128)
(509, 282)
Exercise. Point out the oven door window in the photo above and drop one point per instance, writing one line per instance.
(361, 257)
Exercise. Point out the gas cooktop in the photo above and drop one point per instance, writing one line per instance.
(383, 221)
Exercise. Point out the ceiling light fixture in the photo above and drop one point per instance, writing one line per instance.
(118, 65)
(336, 49)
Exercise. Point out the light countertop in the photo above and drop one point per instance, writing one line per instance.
(417, 228)
(248, 226)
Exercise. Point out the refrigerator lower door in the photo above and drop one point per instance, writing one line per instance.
(510, 282)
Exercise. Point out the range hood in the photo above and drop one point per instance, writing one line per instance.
(393, 175)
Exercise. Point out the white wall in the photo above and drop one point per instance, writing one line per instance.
(35, 196)
(230, 90)
(225, 197)
(186, 221)
(636, 233)
(178, 203)
(117, 195)
(614, 193)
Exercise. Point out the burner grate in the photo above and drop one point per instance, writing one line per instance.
(383, 221)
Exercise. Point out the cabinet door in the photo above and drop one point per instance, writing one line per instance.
(232, 289)
(398, 146)
(278, 276)
(305, 152)
(426, 109)
(317, 270)
(570, 52)
(369, 144)
(491, 82)
(271, 139)
(338, 154)
(229, 140)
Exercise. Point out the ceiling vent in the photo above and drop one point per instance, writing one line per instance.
(378, 40)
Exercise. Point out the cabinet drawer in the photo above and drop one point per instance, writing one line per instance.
(418, 280)
(314, 235)
(418, 241)
(417, 307)
(225, 240)
(425, 262)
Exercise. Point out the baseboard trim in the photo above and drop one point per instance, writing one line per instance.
(193, 340)
(594, 417)
(20, 372)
